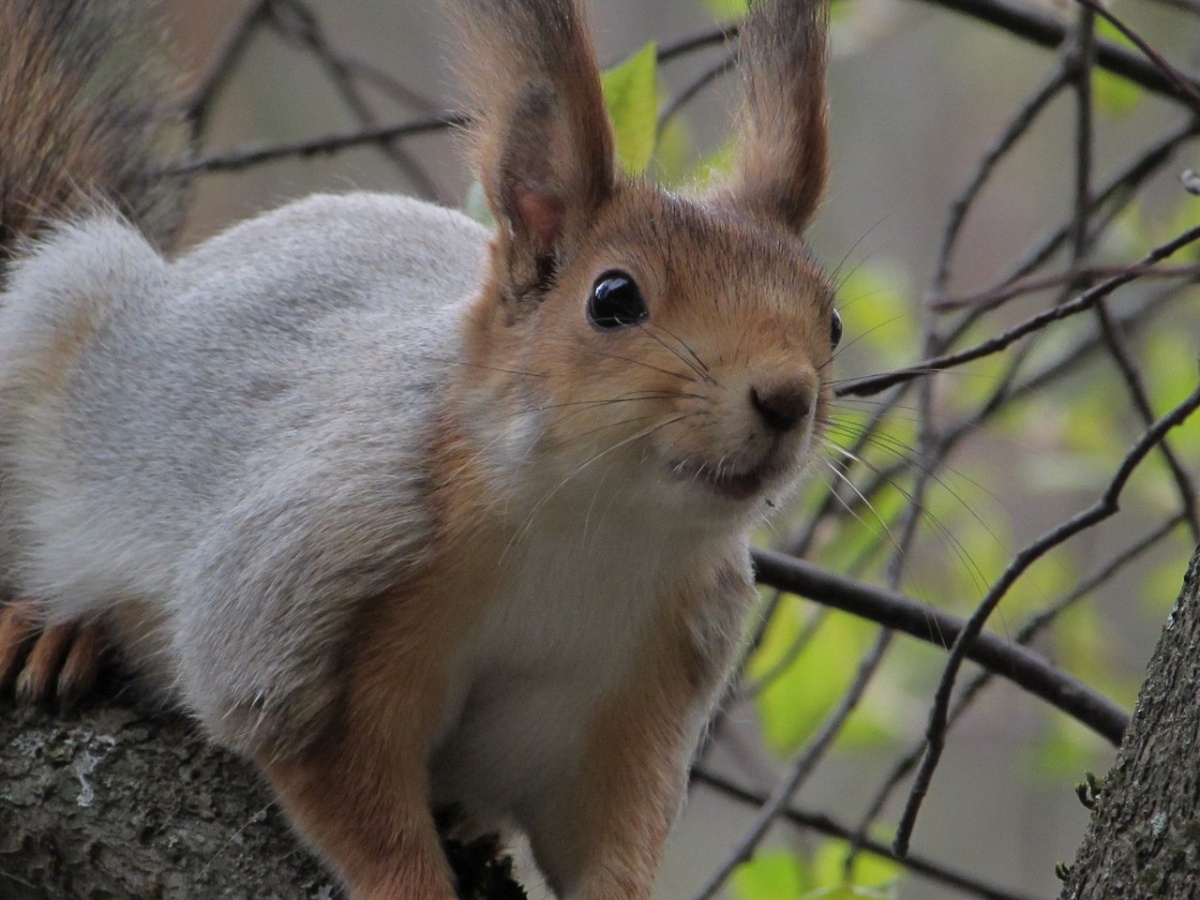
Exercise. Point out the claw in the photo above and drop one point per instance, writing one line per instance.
(57, 662)
(37, 680)
(82, 665)
(18, 625)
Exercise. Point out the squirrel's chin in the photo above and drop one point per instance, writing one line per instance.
(740, 486)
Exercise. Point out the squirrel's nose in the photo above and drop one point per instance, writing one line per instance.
(782, 406)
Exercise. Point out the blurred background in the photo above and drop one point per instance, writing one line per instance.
(917, 94)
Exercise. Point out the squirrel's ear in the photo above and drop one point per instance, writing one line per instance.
(543, 143)
(781, 167)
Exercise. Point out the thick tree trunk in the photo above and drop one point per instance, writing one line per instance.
(109, 804)
(1143, 842)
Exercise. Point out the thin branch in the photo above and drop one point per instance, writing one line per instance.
(801, 768)
(1016, 128)
(700, 82)
(1106, 506)
(1115, 194)
(301, 26)
(1080, 275)
(828, 826)
(876, 383)
(1022, 667)
(223, 64)
(1187, 86)
(1045, 30)
(713, 36)
(235, 160)
(1024, 635)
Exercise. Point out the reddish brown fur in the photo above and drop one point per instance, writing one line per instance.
(82, 665)
(783, 157)
(677, 251)
(631, 785)
(56, 662)
(360, 790)
(361, 793)
(40, 674)
(543, 146)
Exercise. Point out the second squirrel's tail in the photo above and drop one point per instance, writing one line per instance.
(85, 112)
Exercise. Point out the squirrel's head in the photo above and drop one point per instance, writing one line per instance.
(673, 351)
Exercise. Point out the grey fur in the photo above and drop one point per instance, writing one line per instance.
(144, 463)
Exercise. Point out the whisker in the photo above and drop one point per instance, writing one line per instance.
(929, 465)
(842, 348)
(626, 398)
(637, 362)
(699, 366)
(524, 529)
(887, 532)
(940, 528)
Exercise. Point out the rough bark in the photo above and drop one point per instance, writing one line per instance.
(1144, 837)
(114, 804)
(111, 804)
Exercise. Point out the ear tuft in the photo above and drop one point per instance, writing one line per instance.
(544, 146)
(783, 158)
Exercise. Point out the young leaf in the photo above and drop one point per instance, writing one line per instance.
(631, 94)
(770, 875)
(869, 872)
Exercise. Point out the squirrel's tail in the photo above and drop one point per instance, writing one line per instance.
(86, 113)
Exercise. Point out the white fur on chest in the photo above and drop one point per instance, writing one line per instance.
(572, 608)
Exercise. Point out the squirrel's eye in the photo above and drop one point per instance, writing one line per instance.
(615, 302)
(835, 329)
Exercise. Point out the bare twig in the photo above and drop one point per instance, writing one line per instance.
(223, 64)
(235, 160)
(1188, 87)
(1085, 301)
(892, 610)
(1081, 275)
(1016, 128)
(828, 826)
(1024, 635)
(800, 769)
(1039, 28)
(295, 21)
(1108, 504)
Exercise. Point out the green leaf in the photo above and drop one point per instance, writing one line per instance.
(631, 93)
(880, 318)
(771, 875)
(800, 689)
(476, 205)
(673, 163)
(1086, 642)
(1114, 95)
(1160, 586)
(869, 872)
(716, 165)
(1170, 362)
(1064, 750)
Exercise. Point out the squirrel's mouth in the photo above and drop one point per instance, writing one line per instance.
(725, 482)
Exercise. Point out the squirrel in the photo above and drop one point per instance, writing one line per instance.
(413, 514)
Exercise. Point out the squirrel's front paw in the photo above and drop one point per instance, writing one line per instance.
(47, 663)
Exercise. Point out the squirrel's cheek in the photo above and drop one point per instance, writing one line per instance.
(506, 438)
